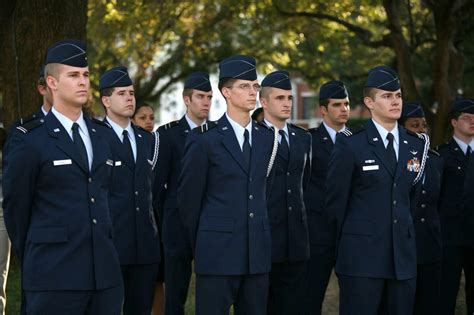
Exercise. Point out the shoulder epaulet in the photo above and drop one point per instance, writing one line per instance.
(352, 131)
(30, 125)
(262, 124)
(169, 125)
(433, 151)
(415, 134)
(206, 127)
(101, 122)
(34, 116)
(299, 127)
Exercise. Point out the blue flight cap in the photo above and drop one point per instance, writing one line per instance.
(277, 79)
(198, 81)
(383, 78)
(332, 89)
(71, 52)
(115, 77)
(412, 109)
(463, 105)
(238, 67)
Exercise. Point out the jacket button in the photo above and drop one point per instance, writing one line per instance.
(422, 219)
(459, 167)
(94, 221)
(136, 193)
(287, 173)
(92, 200)
(251, 197)
(290, 208)
(251, 214)
(289, 191)
(423, 191)
(423, 205)
(90, 179)
(395, 221)
(394, 202)
(137, 208)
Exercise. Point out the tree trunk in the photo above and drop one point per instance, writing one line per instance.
(445, 30)
(27, 31)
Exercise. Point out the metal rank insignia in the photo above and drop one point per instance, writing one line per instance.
(413, 165)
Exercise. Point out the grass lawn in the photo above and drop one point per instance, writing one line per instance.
(330, 306)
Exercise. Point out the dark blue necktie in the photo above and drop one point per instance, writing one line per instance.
(246, 149)
(127, 147)
(81, 148)
(284, 148)
(392, 157)
(468, 153)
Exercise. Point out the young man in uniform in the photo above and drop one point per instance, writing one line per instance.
(56, 183)
(371, 174)
(130, 195)
(286, 209)
(335, 110)
(223, 178)
(197, 95)
(455, 209)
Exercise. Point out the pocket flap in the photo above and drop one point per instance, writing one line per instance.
(358, 227)
(48, 235)
(217, 224)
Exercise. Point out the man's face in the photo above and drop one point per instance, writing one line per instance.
(416, 124)
(385, 106)
(71, 85)
(337, 111)
(242, 95)
(464, 125)
(277, 103)
(199, 104)
(121, 103)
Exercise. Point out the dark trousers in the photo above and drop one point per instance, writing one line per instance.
(372, 296)
(177, 276)
(139, 288)
(319, 272)
(287, 287)
(108, 301)
(428, 281)
(247, 293)
(456, 259)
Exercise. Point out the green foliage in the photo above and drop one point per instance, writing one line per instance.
(163, 41)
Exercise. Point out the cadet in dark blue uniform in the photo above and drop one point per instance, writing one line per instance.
(335, 110)
(426, 219)
(56, 183)
(130, 196)
(370, 177)
(223, 204)
(457, 233)
(286, 209)
(197, 96)
(45, 93)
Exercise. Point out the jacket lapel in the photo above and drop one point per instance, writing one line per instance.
(457, 152)
(64, 141)
(326, 141)
(378, 146)
(257, 147)
(295, 146)
(229, 140)
(404, 153)
(99, 155)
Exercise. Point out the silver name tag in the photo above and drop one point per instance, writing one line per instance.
(370, 168)
(62, 162)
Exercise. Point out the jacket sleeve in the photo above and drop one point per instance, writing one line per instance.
(21, 167)
(339, 181)
(192, 184)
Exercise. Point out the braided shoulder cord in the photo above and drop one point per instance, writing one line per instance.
(274, 152)
(156, 150)
(426, 148)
